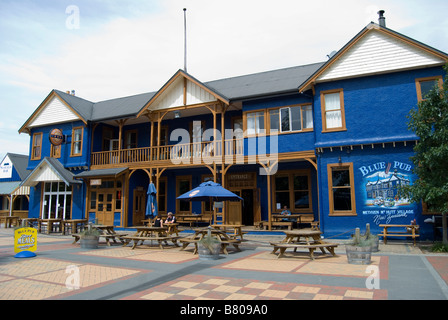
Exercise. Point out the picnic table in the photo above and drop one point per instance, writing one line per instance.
(409, 231)
(236, 229)
(171, 228)
(10, 220)
(30, 222)
(158, 234)
(311, 241)
(189, 218)
(221, 236)
(49, 222)
(73, 224)
(107, 231)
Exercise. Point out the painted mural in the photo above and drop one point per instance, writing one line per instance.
(383, 199)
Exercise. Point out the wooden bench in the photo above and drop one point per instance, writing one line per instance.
(309, 218)
(289, 224)
(386, 233)
(159, 239)
(224, 244)
(107, 237)
(311, 247)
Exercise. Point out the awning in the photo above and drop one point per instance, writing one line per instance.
(113, 172)
(50, 170)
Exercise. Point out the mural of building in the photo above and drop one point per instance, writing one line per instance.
(328, 139)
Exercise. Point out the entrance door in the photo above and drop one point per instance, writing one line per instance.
(248, 206)
(235, 210)
(139, 207)
(105, 213)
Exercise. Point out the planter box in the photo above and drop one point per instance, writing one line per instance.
(358, 255)
(89, 242)
(206, 254)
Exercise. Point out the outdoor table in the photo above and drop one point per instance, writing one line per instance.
(72, 224)
(150, 233)
(312, 241)
(218, 234)
(108, 232)
(11, 220)
(49, 222)
(195, 217)
(280, 217)
(295, 236)
(236, 228)
(30, 222)
(171, 228)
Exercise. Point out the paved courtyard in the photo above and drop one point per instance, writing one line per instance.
(63, 271)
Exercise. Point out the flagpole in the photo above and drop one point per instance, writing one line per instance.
(185, 39)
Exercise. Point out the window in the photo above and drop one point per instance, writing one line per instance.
(290, 119)
(333, 116)
(255, 123)
(425, 85)
(36, 151)
(293, 190)
(162, 195)
(57, 200)
(55, 151)
(77, 134)
(341, 189)
(183, 185)
(131, 139)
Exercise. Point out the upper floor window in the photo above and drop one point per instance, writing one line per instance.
(425, 85)
(55, 151)
(255, 123)
(77, 134)
(290, 119)
(333, 114)
(36, 151)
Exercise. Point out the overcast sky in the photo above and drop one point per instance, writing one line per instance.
(119, 48)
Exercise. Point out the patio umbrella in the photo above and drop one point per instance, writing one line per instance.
(151, 205)
(209, 191)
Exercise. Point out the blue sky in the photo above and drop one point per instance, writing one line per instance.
(128, 47)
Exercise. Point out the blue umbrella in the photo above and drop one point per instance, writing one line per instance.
(151, 205)
(209, 191)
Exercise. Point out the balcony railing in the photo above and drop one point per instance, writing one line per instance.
(196, 152)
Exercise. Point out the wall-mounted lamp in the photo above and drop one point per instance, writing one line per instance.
(340, 160)
(176, 114)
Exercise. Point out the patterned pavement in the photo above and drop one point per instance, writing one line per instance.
(62, 270)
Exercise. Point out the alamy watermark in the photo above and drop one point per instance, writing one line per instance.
(72, 22)
(73, 281)
(208, 146)
(373, 280)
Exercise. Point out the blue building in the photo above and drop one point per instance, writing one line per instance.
(314, 138)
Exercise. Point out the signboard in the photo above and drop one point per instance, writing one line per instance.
(383, 198)
(25, 239)
(95, 182)
(56, 137)
(6, 168)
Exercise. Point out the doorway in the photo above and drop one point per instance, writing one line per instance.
(138, 207)
(242, 212)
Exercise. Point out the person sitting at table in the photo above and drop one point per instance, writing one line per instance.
(171, 218)
(158, 222)
(286, 212)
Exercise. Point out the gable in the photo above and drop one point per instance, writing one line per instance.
(54, 111)
(378, 52)
(180, 91)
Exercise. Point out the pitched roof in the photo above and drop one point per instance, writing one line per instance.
(49, 166)
(20, 163)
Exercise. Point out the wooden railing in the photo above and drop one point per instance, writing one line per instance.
(195, 152)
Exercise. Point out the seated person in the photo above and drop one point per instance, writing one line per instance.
(171, 218)
(286, 212)
(158, 222)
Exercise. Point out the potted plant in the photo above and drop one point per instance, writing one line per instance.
(90, 237)
(209, 247)
(359, 251)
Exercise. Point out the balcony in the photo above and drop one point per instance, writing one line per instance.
(204, 152)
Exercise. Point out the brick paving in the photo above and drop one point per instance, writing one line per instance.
(62, 270)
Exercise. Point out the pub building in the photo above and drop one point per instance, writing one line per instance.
(328, 139)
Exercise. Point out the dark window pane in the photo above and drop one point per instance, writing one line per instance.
(300, 183)
(301, 200)
(341, 178)
(281, 183)
(282, 198)
(342, 199)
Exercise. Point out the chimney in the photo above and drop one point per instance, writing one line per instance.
(382, 19)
